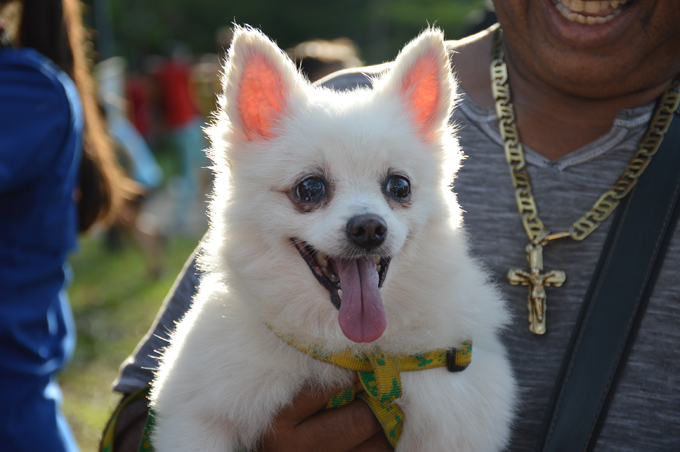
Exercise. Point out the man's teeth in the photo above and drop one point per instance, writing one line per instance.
(571, 10)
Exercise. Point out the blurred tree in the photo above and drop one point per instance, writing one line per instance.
(379, 27)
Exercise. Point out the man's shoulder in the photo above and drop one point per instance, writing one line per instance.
(348, 79)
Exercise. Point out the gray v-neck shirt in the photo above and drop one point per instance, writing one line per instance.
(645, 412)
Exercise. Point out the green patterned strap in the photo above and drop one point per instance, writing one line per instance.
(106, 444)
(379, 377)
(456, 359)
(381, 387)
(379, 383)
(145, 442)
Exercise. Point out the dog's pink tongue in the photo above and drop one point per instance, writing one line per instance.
(362, 315)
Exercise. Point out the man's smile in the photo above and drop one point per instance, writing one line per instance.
(590, 12)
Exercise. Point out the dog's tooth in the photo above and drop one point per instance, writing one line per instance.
(376, 258)
(322, 259)
(329, 274)
(379, 268)
(340, 294)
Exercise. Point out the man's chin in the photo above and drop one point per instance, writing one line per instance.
(623, 55)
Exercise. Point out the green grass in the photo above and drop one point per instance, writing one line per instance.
(114, 302)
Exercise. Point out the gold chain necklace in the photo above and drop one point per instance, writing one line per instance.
(539, 235)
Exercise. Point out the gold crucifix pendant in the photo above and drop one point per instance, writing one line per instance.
(537, 282)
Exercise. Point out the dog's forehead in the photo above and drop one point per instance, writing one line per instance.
(348, 159)
(346, 130)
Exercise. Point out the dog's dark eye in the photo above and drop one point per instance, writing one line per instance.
(311, 190)
(399, 187)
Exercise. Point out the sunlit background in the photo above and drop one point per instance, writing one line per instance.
(146, 53)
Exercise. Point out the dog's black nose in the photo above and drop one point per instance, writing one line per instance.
(367, 231)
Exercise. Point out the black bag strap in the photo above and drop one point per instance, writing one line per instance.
(620, 288)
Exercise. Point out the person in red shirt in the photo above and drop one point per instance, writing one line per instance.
(183, 121)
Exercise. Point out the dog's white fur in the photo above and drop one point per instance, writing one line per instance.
(225, 374)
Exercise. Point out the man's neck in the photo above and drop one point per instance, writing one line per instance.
(549, 121)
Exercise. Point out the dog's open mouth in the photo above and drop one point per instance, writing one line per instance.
(354, 287)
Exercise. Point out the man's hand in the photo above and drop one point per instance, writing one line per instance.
(301, 427)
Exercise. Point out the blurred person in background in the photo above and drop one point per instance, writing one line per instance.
(134, 221)
(205, 74)
(205, 82)
(138, 94)
(183, 122)
(58, 176)
(111, 80)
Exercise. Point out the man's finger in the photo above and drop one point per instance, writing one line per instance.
(306, 403)
(339, 430)
(376, 443)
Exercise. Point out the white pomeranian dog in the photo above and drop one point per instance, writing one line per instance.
(336, 248)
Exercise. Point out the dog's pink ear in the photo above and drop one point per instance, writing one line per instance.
(422, 79)
(258, 85)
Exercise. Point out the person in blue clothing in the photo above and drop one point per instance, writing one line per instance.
(57, 177)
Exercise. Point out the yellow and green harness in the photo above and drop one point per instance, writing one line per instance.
(379, 384)
(380, 379)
